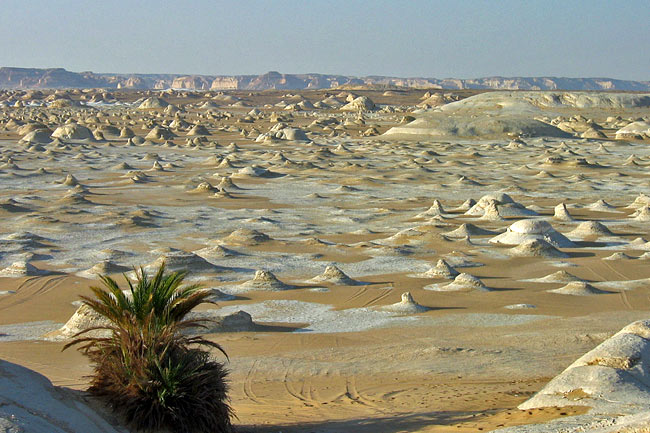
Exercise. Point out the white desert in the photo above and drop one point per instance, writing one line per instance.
(381, 260)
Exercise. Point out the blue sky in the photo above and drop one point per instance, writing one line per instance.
(463, 39)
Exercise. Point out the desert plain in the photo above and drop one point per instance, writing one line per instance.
(381, 260)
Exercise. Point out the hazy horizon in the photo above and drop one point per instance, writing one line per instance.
(428, 39)
(313, 72)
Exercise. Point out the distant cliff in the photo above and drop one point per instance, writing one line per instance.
(31, 78)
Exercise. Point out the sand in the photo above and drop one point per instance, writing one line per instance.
(343, 231)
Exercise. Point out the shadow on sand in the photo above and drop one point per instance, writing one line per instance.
(379, 424)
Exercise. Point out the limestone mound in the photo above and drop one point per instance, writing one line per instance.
(593, 134)
(614, 377)
(289, 134)
(524, 230)
(265, 280)
(506, 114)
(22, 268)
(69, 180)
(122, 166)
(254, 171)
(642, 214)
(159, 133)
(406, 306)
(217, 251)
(618, 256)
(633, 130)
(334, 275)
(462, 283)
(505, 100)
(361, 103)
(30, 403)
(85, 318)
(227, 183)
(436, 209)
(73, 131)
(204, 187)
(12, 206)
(26, 240)
(558, 277)
(441, 270)
(105, 267)
(468, 230)
(562, 213)
(578, 288)
(640, 201)
(178, 260)
(292, 134)
(537, 248)
(590, 228)
(198, 130)
(239, 321)
(459, 126)
(504, 204)
(36, 137)
(152, 102)
(246, 237)
(492, 212)
(601, 206)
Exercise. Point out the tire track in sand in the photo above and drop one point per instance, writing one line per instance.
(301, 396)
(248, 383)
(377, 298)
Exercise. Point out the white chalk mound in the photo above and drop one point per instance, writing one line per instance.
(334, 275)
(613, 377)
(265, 280)
(578, 288)
(462, 283)
(82, 319)
(536, 248)
(463, 126)
(531, 101)
(442, 269)
(245, 236)
(494, 206)
(468, 230)
(361, 103)
(178, 260)
(562, 213)
(36, 137)
(72, 131)
(30, 403)
(508, 114)
(153, 102)
(558, 277)
(22, 268)
(590, 229)
(633, 130)
(406, 306)
(105, 267)
(526, 230)
(85, 318)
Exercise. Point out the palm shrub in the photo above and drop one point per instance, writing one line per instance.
(146, 367)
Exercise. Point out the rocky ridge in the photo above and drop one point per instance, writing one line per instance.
(34, 78)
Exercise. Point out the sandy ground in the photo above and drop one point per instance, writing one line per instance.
(330, 359)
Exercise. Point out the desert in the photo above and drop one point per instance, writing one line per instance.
(379, 261)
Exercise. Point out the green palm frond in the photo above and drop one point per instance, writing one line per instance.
(147, 367)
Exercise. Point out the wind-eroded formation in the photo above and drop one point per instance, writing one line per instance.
(416, 259)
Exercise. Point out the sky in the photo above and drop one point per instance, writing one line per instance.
(404, 38)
